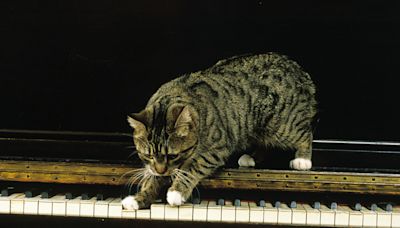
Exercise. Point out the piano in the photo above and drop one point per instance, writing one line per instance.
(81, 177)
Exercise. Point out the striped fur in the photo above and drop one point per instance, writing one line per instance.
(192, 124)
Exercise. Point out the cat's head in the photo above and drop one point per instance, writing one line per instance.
(165, 139)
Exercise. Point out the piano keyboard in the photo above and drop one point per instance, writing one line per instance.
(294, 213)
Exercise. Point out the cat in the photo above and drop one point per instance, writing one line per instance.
(192, 124)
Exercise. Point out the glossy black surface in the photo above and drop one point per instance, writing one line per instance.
(332, 155)
(84, 65)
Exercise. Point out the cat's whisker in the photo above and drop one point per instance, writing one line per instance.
(134, 178)
(130, 172)
(187, 173)
(147, 176)
(138, 174)
(177, 175)
(190, 177)
(133, 153)
(182, 178)
(185, 178)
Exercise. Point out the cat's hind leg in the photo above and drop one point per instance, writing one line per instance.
(302, 160)
(246, 161)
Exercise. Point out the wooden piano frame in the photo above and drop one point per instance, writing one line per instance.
(261, 179)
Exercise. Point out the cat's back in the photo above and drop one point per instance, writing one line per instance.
(270, 69)
(261, 74)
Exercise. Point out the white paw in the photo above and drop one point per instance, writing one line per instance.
(175, 198)
(246, 161)
(300, 164)
(130, 203)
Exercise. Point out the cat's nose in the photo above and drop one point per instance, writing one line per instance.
(161, 168)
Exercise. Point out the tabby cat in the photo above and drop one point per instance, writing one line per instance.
(193, 124)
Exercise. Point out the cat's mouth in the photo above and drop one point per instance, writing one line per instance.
(154, 173)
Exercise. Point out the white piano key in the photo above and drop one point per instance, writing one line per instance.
(171, 212)
(73, 207)
(5, 203)
(313, 215)
(157, 211)
(45, 206)
(396, 217)
(327, 216)
(299, 215)
(128, 214)
(200, 211)
(228, 212)
(383, 218)
(101, 208)
(143, 214)
(213, 211)
(186, 212)
(115, 208)
(284, 214)
(17, 205)
(59, 205)
(243, 212)
(270, 214)
(342, 215)
(31, 205)
(355, 218)
(369, 217)
(256, 213)
(87, 207)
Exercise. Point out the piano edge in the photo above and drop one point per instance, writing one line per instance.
(246, 179)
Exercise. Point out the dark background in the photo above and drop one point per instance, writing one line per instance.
(82, 65)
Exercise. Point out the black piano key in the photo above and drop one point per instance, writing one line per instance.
(333, 206)
(31, 193)
(45, 195)
(4, 193)
(196, 200)
(317, 205)
(293, 204)
(261, 203)
(7, 191)
(100, 197)
(389, 207)
(237, 203)
(277, 204)
(221, 202)
(28, 194)
(357, 207)
(374, 207)
(85, 196)
(69, 195)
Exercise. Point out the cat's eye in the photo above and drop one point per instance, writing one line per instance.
(172, 156)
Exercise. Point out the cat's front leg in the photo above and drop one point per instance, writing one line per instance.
(186, 179)
(148, 193)
(180, 190)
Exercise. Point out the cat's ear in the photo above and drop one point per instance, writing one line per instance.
(185, 117)
(139, 121)
(185, 121)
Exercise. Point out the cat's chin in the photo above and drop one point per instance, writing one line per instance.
(130, 203)
(175, 198)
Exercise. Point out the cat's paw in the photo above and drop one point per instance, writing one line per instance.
(246, 161)
(175, 198)
(130, 203)
(300, 164)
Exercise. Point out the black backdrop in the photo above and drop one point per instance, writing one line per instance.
(82, 65)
